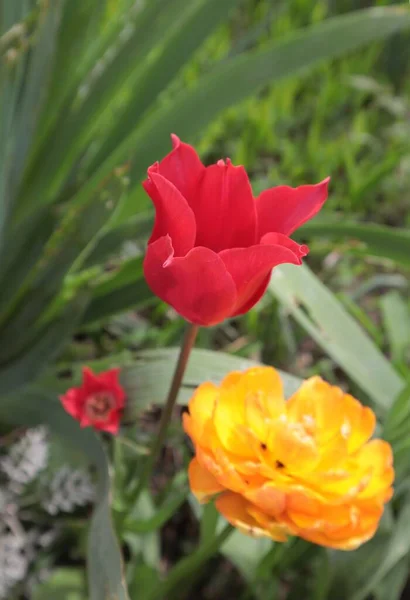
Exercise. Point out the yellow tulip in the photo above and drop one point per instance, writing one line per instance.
(301, 467)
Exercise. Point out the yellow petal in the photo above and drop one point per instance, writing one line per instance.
(201, 407)
(229, 421)
(376, 457)
(359, 423)
(317, 406)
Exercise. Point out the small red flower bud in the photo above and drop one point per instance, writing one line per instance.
(98, 402)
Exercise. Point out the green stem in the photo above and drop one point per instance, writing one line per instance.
(186, 568)
(186, 347)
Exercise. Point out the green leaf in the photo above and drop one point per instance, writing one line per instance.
(143, 544)
(45, 347)
(347, 578)
(28, 309)
(11, 79)
(148, 380)
(246, 552)
(182, 33)
(209, 519)
(34, 407)
(378, 240)
(64, 583)
(397, 423)
(158, 517)
(398, 548)
(392, 586)
(119, 291)
(147, 374)
(396, 320)
(194, 25)
(25, 244)
(36, 80)
(80, 46)
(320, 313)
(137, 229)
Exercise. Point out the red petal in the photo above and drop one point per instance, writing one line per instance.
(109, 381)
(197, 285)
(91, 382)
(224, 208)
(251, 267)
(72, 402)
(173, 216)
(283, 209)
(111, 427)
(182, 167)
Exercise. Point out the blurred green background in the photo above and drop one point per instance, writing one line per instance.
(294, 90)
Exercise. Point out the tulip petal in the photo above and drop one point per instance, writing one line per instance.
(173, 216)
(360, 423)
(283, 209)
(224, 208)
(197, 286)
(201, 408)
(202, 483)
(234, 508)
(250, 268)
(183, 168)
(73, 401)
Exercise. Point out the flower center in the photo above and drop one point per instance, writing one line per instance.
(99, 405)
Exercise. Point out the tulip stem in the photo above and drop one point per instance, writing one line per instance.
(187, 569)
(186, 347)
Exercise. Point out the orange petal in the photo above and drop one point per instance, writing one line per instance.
(277, 531)
(221, 468)
(268, 499)
(202, 483)
(234, 508)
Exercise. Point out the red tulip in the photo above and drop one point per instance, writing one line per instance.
(98, 402)
(214, 245)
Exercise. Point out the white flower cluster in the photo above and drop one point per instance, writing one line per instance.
(61, 491)
(13, 562)
(26, 458)
(67, 490)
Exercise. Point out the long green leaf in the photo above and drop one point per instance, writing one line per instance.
(188, 28)
(27, 310)
(397, 549)
(146, 375)
(105, 571)
(396, 319)
(238, 78)
(147, 381)
(124, 290)
(378, 240)
(43, 348)
(35, 84)
(81, 43)
(194, 26)
(12, 72)
(25, 244)
(325, 319)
